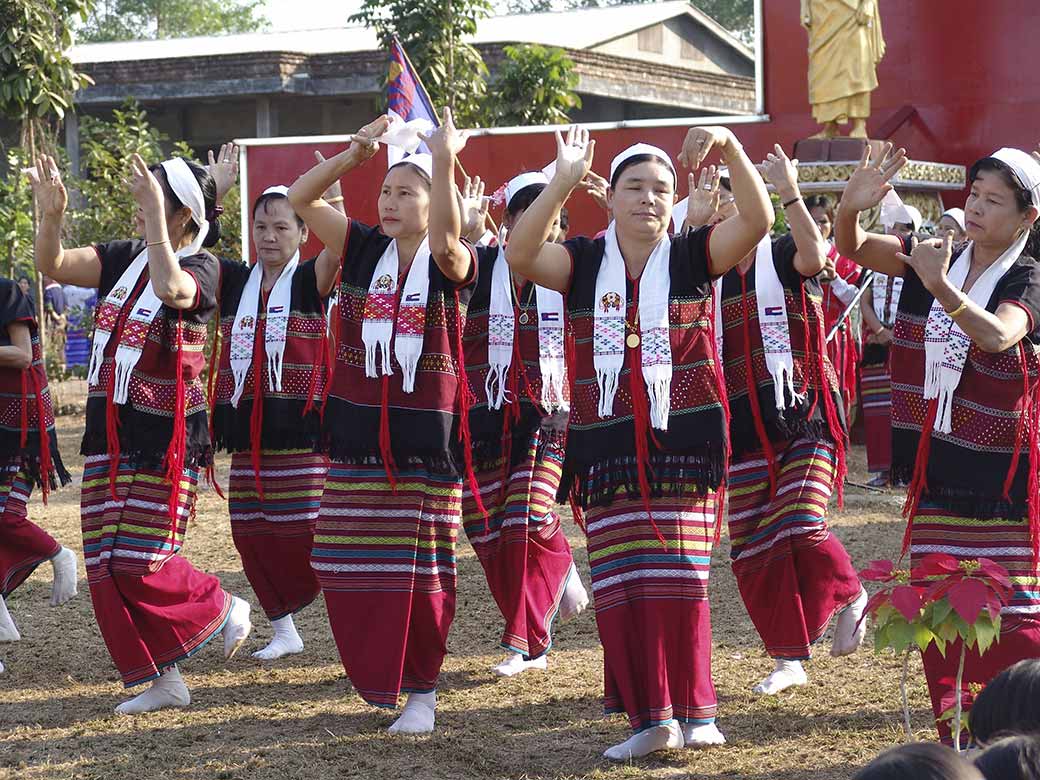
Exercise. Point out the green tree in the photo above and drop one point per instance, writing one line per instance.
(433, 32)
(125, 20)
(16, 218)
(534, 85)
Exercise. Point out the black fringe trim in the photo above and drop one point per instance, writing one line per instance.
(965, 501)
(10, 441)
(440, 465)
(676, 476)
(144, 438)
(486, 434)
(284, 426)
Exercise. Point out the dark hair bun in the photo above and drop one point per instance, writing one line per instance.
(213, 235)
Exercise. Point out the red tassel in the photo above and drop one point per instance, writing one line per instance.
(24, 439)
(720, 510)
(316, 371)
(45, 439)
(1022, 418)
(919, 481)
(385, 450)
(752, 387)
(577, 514)
(175, 452)
(1032, 407)
(256, 417)
(464, 399)
(211, 392)
(720, 377)
(830, 410)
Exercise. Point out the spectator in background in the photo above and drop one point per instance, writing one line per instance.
(919, 761)
(25, 285)
(952, 219)
(1013, 758)
(561, 234)
(79, 302)
(1009, 704)
(54, 307)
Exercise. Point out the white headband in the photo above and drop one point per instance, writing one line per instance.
(422, 161)
(186, 187)
(277, 189)
(1025, 168)
(518, 183)
(957, 215)
(639, 149)
(894, 211)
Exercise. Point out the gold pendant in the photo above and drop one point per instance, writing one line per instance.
(523, 318)
(632, 340)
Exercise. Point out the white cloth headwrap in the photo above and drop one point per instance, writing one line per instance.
(422, 161)
(946, 345)
(894, 211)
(502, 328)
(608, 339)
(243, 330)
(407, 136)
(640, 149)
(131, 345)
(378, 327)
(1026, 169)
(276, 189)
(772, 323)
(957, 215)
(879, 289)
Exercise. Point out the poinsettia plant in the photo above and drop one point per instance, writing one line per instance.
(941, 600)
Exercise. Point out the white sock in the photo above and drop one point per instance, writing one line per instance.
(667, 736)
(1, 667)
(785, 675)
(851, 627)
(575, 597)
(237, 627)
(168, 691)
(702, 735)
(8, 630)
(64, 586)
(286, 641)
(418, 714)
(516, 664)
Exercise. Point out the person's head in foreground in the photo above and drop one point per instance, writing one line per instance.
(1011, 758)
(1009, 704)
(919, 761)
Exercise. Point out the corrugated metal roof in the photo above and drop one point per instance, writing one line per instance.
(576, 29)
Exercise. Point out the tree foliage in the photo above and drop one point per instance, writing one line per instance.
(534, 85)
(125, 20)
(434, 33)
(37, 79)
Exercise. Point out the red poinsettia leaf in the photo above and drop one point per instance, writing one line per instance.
(995, 572)
(877, 600)
(968, 597)
(937, 565)
(938, 589)
(907, 599)
(878, 571)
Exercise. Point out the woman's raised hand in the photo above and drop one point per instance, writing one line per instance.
(700, 141)
(474, 206)
(51, 196)
(930, 260)
(363, 144)
(574, 154)
(447, 140)
(144, 186)
(224, 169)
(596, 186)
(704, 196)
(869, 183)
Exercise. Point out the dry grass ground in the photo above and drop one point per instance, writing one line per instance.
(298, 718)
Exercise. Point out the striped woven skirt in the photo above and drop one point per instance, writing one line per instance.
(274, 532)
(153, 607)
(938, 530)
(652, 607)
(793, 574)
(23, 544)
(522, 547)
(385, 560)
(876, 395)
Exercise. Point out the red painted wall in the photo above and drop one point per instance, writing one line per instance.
(968, 68)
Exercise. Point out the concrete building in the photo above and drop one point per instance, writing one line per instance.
(633, 62)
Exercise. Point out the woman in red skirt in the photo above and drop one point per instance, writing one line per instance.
(270, 386)
(146, 437)
(647, 440)
(384, 545)
(29, 458)
(965, 371)
(514, 354)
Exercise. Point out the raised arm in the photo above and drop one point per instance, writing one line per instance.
(305, 195)
(529, 252)
(17, 354)
(734, 238)
(174, 286)
(69, 266)
(449, 253)
(991, 332)
(865, 189)
(327, 264)
(811, 255)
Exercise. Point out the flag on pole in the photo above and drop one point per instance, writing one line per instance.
(407, 98)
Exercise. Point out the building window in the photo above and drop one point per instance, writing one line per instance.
(652, 39)
(690, 52)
